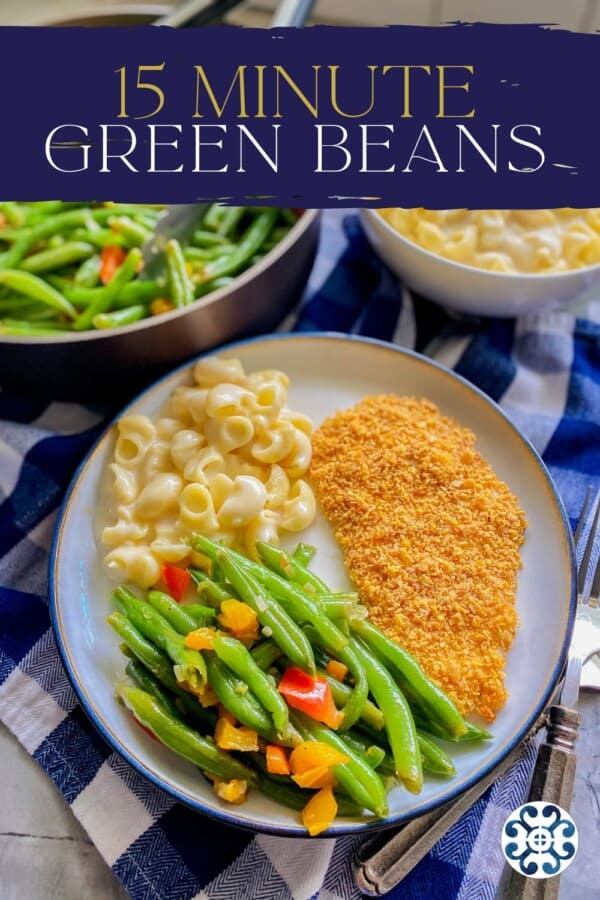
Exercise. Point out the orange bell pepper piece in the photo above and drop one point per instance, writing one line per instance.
(277, 760)
(310, 694)
(311, 754)
(319, 812)
(336, 669)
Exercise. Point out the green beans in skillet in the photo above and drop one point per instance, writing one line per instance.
(85, 247)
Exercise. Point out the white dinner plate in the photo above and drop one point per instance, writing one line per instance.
(327, 372)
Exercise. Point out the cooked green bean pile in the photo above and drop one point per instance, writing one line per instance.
(312, 705)
(74, 266)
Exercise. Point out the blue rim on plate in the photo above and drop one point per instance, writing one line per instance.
(335, 830)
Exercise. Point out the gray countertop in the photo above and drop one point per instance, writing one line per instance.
(45, 853)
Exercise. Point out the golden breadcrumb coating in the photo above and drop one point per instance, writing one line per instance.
(430, 536)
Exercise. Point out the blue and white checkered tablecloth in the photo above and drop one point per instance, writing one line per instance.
(543, 370)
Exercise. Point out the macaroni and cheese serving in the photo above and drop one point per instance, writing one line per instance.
(502, 240)
(225, 460)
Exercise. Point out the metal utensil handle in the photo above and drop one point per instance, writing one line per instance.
(186, 12)
(379, 867)
(292, 13)
(553, 780)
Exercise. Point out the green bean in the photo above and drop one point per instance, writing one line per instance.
(144, 679)
(341, 693)
(12, 213)
(435, 760)
(283, 791)
(287, 567)
(88, 273)
(269, 613)
(204, 718)
(158, 664)
(304, 554)
(372, 754)
(29, 329)
(177, 616)
(107, 294)
(213, 216)
(202, 255)
(132, 293)
(203, 238)
(209, 589)
(119, 317)
(437, 705)
(356, 776)
(32, 286)
(265, 654)
(11, 258)
(399, 724)
(243, 704)
(145, 651)
(304, 608)
(100, 237)
(207, 287)
(189, 666)
(230, 219)
(57, 258)
(180, 738)
(134, 234)
(237, 658)
(473, 732)
(200, 612)
(245, 249)
(289, 216)
(182, 287)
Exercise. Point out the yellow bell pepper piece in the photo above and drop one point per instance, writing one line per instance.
(228, 737)
(239, 619)
(233, 791)
(319, 777)
(319, 812)
(311, 754)
(200, 639)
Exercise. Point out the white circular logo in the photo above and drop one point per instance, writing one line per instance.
(539, 840)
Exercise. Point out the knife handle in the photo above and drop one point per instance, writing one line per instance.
(553, 780)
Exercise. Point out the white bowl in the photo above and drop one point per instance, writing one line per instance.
(468, 289)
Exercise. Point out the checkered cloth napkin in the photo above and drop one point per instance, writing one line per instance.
(543, 370)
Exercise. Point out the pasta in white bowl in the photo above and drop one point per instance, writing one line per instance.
(227, 459)
(490, 262)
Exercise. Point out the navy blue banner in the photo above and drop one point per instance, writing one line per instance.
(457, 116)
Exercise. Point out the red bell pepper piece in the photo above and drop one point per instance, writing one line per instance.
(311, 695)
(111, 259)
(176, 581)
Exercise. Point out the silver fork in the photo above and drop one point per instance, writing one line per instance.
(381, 863)
(554, 773)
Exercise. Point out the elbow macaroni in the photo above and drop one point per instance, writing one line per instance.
(503, 240)
(227, 459)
